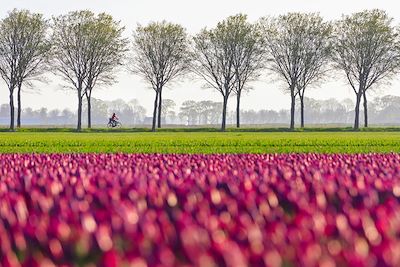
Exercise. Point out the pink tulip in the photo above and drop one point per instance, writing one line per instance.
(203, 210)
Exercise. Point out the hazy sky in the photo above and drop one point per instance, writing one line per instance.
(193, 15)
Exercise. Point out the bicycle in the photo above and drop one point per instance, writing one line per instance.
(114, 124)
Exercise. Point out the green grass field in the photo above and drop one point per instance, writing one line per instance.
(36, 141)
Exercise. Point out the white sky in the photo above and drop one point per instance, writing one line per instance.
(193, 15)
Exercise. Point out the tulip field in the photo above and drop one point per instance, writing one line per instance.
(200, 210)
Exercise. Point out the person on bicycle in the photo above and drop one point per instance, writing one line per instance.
(114, 119)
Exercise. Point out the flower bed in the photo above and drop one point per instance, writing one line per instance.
(204, 210)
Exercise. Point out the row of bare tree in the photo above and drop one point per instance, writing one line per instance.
(83, 48)
(299, 48)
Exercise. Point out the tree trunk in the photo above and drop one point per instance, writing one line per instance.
(223, 127)
(292, 108)
(357, 111)
(79, 126)
(238, 111)
(365, 110)
(153, 128)
(89, 107)
(12, 110)
(302, 111)
(159, 108)
(19, 106)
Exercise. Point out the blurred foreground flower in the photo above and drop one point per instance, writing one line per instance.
(203, 210)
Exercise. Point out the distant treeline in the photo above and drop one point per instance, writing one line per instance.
(383, 111)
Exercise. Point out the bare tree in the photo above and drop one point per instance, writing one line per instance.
(24, 53)
(248, 57)
(285, 38)
(315, 57)
(213, 60)
(71, 40)
(139, 112)
(189, 112)
(106, 52)
(161, 54)
(168, 108)
(367, 50)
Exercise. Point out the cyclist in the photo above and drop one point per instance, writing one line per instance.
(114, 119)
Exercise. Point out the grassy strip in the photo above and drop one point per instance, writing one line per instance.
(205, 142)
(202, 129)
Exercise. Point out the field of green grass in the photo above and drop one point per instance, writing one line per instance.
(65, 141)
